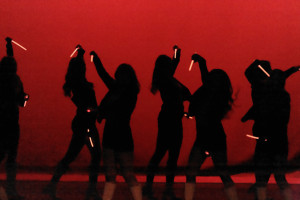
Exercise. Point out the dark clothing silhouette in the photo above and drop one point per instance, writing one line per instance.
(12, 97)
(170, 132)
(116, 107)
(83, 126)
(270, 112)
(209, 104)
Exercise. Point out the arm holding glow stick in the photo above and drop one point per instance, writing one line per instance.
(290, 71)
(202, 65)
(9, 48)
(175, 60)
(104, 75)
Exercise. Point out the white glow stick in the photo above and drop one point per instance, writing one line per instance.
(26, 99)
(88, 130)
(18, 45)
(91, 141)
(175, 52)
(74, 52)
(191, 65)
(262, 69)
(253, 137)
(92, 58)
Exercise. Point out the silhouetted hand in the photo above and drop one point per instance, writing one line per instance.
(8, 40)
(198, 58)
(178, 53)
(96, 59)
(296, 68)
(80, 51)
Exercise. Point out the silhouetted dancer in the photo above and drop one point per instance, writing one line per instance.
(169, 137)
(12, 96)
(210, 104)
(116, 108)
(83, 126)
(270, 112)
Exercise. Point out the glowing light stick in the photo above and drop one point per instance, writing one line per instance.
(254, 137)
(175, 52)
(91, 141)
(74, 52)
(186, 115)
(19, 45)
(92, 58)
(88, 110)
(191, 65)
(262, 69)
(207, 153)
(26, 99)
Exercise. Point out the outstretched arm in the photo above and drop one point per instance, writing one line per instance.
(202, 66)
(175, 61)
(9, 49)
(107, 79)
(290, 71)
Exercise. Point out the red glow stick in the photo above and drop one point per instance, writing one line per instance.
(91, 141)
(191, 65)
(19, 45)
(92, 58)
(74, 52)
(207, 153)
(262, 69)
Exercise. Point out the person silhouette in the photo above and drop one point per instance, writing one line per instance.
(116, 108)
(270, 112)
(170, 133)
(210, 104)
(12, 97)
(84, 128)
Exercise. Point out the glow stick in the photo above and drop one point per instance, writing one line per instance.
(18, 45)
(175, 52)
(262, 69)
(74, 52)
(191, 65)
(91, 141)
(207, 153)
(26, 99)
(253, 137)
(92, 58)
(88, 130)
(88, 110)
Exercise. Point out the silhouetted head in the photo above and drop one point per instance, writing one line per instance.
(219, 84)
(162, 71)
(125, 76)
(255, 75)
(8, 65)
(75, 75)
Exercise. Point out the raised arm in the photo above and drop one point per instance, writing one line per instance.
(9, 48)
(106, 78)
(175, 61)
(290, 71)
(202, 65)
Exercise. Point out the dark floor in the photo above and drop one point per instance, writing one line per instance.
(205, 191)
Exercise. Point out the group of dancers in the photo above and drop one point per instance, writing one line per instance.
(209, 105)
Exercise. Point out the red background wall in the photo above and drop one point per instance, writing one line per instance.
(230, 35)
